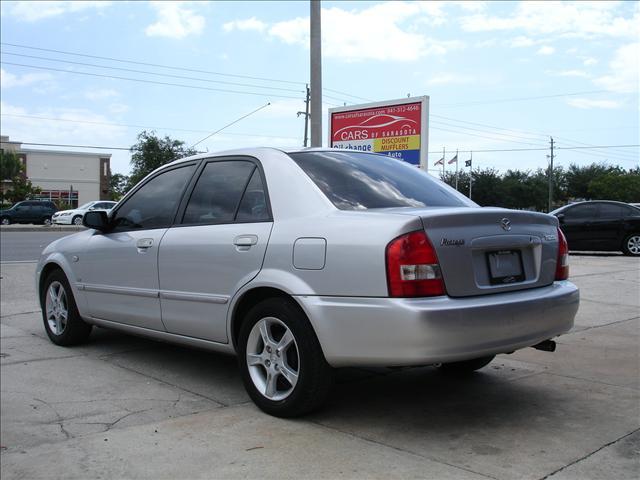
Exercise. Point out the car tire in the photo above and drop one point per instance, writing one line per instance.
(46, 221)
(288, 375)
(465, 367)
(77, 220)
(60, 315)
(631, 245)
(5, 221)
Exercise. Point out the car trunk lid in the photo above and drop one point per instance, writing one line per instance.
(491, 250)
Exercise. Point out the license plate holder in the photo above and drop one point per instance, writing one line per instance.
(505, 267)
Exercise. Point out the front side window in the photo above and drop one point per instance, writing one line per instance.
(217, 193)
(360, 181)
(581, 212)
(155, 203)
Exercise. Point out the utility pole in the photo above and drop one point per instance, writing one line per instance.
(470, 175)
(316, 74)
(550, 177)
(306, 118)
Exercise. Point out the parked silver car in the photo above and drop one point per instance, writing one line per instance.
(303, 261)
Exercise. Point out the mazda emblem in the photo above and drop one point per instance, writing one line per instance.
(505, 223)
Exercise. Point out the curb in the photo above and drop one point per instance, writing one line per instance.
(40, 228)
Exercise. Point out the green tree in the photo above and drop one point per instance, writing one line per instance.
(151, 152)
(10, 165)
(578, 179)
(616, 185)
(118, 186)
(12, 170)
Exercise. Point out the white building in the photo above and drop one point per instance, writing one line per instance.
(73, 177)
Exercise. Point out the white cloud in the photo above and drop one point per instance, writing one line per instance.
(624, 76)
(9, 80)
(245, 25)
(117, 108)
(30, 11)
(100, 94)
(449, 79)
(546, 50)
(70, 125)
(569, 19)
(587, 62)
(174, 21)
(587, 103)
(571, 73)
(354, 35)
(522, 41)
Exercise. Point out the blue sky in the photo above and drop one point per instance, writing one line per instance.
(485, 66)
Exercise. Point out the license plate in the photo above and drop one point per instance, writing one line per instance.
(505, 266)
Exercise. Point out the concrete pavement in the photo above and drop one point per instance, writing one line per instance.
(123, 407)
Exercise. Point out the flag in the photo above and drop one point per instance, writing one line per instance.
(467, 163)
(439, 162)
(453, 160)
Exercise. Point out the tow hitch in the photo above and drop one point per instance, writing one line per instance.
(546, 346)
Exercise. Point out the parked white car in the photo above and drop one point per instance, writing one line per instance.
(75, 216)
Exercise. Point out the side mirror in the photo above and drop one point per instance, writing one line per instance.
(560, 217)
(96, 220)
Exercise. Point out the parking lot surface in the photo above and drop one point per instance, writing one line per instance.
(124, 407)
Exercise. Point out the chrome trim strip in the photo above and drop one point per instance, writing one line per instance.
(137, 292)
(193, 297)
(163, 336)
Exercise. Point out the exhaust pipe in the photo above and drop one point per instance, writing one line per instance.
(546, 346)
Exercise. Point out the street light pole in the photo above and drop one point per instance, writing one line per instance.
(316, 74)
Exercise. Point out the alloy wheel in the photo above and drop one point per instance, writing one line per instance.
(273, 359)
(57, 309)
(633, 244)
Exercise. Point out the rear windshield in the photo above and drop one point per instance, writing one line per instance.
(360, 181)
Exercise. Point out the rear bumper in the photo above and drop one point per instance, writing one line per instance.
(394, 331)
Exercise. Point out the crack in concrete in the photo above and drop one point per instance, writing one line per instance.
(398, 449)
(129, 369)
(602, 273)
(26, 362)
(585, 329)
(590, 454)
(20, 313)
(60, 419)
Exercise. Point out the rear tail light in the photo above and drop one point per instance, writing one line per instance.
(562, 265)
(412, 267)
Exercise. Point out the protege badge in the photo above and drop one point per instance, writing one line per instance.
(445, 242)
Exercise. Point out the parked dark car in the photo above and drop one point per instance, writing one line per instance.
(29, 211)
(601, 225)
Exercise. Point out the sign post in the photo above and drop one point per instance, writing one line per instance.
(397, 128)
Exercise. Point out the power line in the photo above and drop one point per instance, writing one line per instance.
(153, 73)
(89, 122)
(196, 87)
(486, 131)
(481, 136)
(172, 67)
(520, 99)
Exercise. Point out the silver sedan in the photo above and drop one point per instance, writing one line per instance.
(302, 262)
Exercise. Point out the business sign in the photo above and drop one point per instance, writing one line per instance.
(397, 128)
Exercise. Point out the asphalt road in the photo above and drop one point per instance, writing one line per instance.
(126, 407)
(26, 246)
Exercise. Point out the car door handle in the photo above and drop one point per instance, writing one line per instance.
(144, 243)
(245, 241)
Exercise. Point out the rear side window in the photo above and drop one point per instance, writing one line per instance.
(253, 206)
(360, 181)
(610, 211)
(217, 193)
(155, 203)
